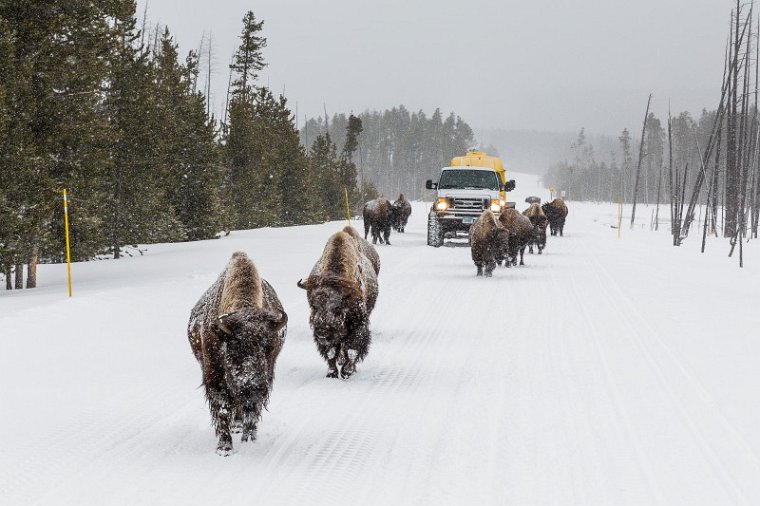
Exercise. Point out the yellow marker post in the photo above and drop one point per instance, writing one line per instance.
(348, 208)
(620, 215)
(68, 244)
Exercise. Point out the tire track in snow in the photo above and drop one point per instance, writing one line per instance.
(628, 333)
(692, 386)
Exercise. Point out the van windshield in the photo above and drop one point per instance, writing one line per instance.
(480, 179)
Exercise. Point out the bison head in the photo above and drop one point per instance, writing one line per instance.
(249, 337)
(335, 304)
(395, 215)
(501, 242)
(539, 234)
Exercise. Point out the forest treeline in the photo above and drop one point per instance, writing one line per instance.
(398, 150)
(91, 103)
(709, 163)
(609, 175)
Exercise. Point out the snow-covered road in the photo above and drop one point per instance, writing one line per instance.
(605, 372)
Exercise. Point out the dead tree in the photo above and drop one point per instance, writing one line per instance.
(641, 158)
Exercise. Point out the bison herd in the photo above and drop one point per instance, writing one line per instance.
(238, 327)
(499, 240)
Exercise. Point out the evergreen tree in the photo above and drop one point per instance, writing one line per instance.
(141, 127)
(323, 164)
(249, 58)
(57, 57)
(347, 172)
(191, 152)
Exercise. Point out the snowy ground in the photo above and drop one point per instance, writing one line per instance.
(605, 372)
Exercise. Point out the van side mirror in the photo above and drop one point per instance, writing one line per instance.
(430, 185)
(510, 185)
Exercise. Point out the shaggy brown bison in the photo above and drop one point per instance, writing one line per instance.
(379, 215)
(236, 331)
(404, 210)
(342, 290)
(539, 222)
(520, 234)
(556, 212)
(488, 238)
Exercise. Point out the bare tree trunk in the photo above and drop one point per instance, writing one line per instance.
(31, 269)
(208, 76)
(732, 156)
(641, 158)
(671, 187)
(8, 283)
(657, 208)
(19, 272)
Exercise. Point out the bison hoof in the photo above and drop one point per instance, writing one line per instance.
(332, 373)
(248, 436)
(224, 449)
(347, 371)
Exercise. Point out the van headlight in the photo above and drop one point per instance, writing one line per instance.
(441, 204)
(495, 206)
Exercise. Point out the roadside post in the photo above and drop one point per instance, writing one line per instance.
(68, 242)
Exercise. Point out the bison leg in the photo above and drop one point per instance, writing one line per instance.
(332, 367)
(366, 229)
(221, 413)
(480, 269)
(388, 235)
(251, 414)
(522, 252)
(354, 350)
(236, 426)
(490, 266)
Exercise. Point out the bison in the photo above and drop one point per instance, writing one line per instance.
(520, 234)
(236, 331)
(379, 215)
(556, 212)
(342, 290)
(539, 221)
(404, 210)
(488, 238)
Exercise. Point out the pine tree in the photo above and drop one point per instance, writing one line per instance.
(323, 164)
(191, 153)
(57, 57)
(141, 127)
(249, 58)
(347, 168)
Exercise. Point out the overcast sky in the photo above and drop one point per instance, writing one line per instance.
(514, 64)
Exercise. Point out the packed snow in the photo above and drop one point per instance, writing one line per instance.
(605, 371)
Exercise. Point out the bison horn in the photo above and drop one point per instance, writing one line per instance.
(301, 284)
(222, 325)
